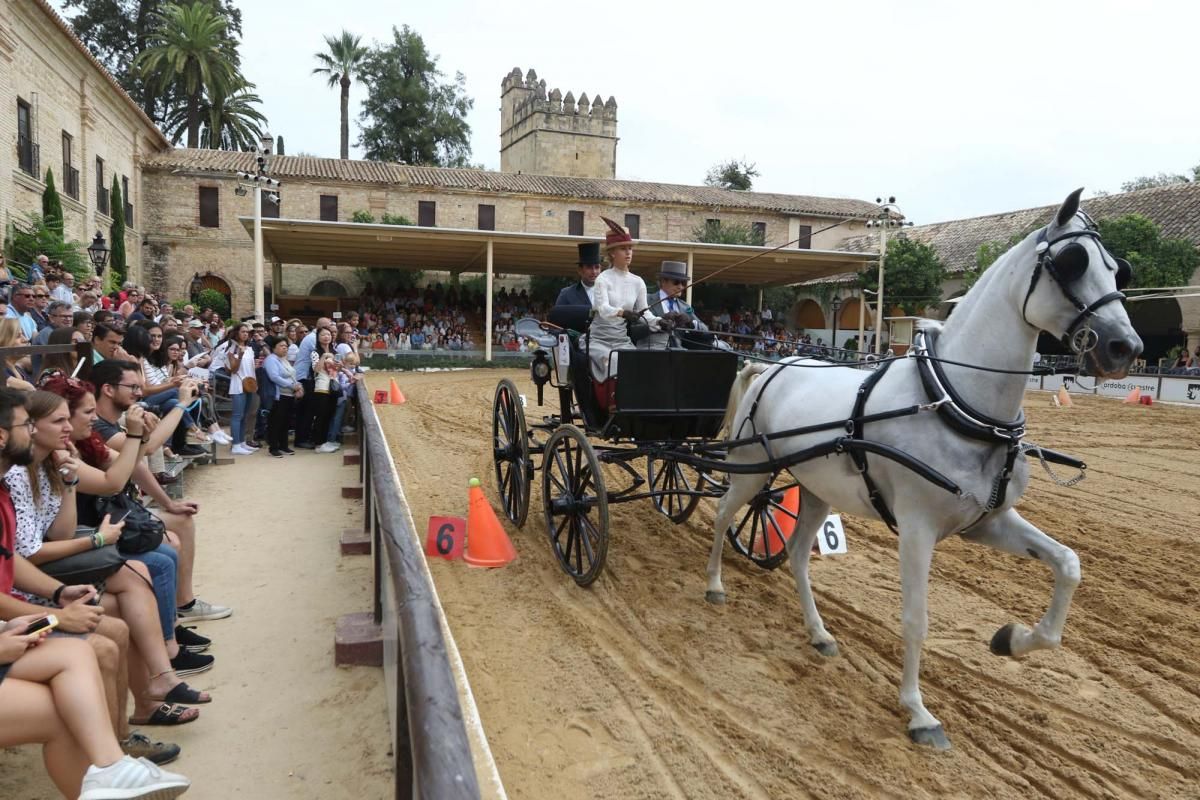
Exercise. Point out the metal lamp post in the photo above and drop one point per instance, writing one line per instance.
(889, 217)
(835, 305)
(98, 252)
(260, 303)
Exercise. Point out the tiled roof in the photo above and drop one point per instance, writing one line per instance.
(1175, 209)
(69, 32)
(477, 180)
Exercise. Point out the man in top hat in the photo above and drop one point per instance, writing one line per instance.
(669, 304)
(580, 292)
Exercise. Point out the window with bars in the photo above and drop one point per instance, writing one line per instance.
(575, 223)
(804, 234)
(70, 175)
(102, 195)
(128, 202)
(760, 233)
(487, 217)
(329, 208)
(210, 207)
(427, 213)
(633, 223)
(712, 227)
(27, 149)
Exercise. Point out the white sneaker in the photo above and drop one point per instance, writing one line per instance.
(241, 450)
(328, 447)
(221, 437)
(132, 778)
(203, 610)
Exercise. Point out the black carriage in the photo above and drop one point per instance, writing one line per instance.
(668, 409)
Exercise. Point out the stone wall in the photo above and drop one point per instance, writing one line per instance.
(67, 92)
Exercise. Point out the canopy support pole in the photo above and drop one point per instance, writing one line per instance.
(487, 316)
(691, 275)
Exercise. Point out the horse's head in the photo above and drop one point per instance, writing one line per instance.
(1074, 291)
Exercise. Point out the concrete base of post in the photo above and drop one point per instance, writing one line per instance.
(357, 642)
(355, 542)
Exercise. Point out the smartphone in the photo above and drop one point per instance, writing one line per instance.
(48, 622)
(123, 516)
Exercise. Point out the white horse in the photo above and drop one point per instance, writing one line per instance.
(1059, 280)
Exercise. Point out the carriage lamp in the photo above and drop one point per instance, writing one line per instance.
(98, 252)
(539, 371)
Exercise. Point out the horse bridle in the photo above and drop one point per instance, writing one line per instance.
(1070, 266)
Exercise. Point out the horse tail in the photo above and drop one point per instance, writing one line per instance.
(738, 391)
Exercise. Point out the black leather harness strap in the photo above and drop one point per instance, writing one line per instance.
(855, 425)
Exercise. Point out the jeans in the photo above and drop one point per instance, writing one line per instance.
(163, 563)
(240, 403)
(162, 403)
(335, 426)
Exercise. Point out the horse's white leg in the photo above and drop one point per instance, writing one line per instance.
(1011, 533)
(741, 489)
(813, 511)
(916, 553)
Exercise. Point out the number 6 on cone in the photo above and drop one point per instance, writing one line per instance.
(446, 537)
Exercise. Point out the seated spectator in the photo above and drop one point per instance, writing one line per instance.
(160, 392)
(11, 335)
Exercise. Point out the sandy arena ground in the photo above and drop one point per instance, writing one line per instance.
(637, 688)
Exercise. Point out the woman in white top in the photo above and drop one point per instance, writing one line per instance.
(234, 355)
(618, 297)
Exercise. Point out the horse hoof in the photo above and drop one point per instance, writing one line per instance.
(716, 598)
(1002, 640)
(827, 649)
(934, 737)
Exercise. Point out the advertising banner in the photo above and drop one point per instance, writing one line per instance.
(1147, 383)
(1184, 389)
(1085, 385)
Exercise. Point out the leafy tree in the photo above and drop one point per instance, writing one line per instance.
(116, 255)
(211, 298)
(279, 146)
(732, 174)
(1152, 181)
(192, 52)
(395, 219)
(410, 114)
(118, 31)
(728, 233)
(345, 56)
(26, 238)
(912, 274)
(363, 216)
(227, 121)
(1156, 261)
(52, 210)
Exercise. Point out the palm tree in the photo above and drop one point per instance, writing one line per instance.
(191, 49)
(227, 122)
(344, 57)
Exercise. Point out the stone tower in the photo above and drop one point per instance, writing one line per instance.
(551, 134)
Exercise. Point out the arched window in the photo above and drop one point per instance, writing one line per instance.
(328, 288)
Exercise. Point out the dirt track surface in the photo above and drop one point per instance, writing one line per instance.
(636, 688)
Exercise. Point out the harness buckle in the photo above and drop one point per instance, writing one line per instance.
(935, 405)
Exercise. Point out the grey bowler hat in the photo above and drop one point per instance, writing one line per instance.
(673, 269)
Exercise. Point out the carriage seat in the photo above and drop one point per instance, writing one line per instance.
(673, 394)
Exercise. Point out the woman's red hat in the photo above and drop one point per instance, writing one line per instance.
(616, 236)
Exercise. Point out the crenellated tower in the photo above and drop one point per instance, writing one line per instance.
(553, 134)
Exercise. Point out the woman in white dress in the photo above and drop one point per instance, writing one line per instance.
(618, 297)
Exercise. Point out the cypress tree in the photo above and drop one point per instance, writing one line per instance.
(52, 210)
(116, 255)
(279, 146)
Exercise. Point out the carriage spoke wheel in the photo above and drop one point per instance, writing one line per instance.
(762, 532)
(510, 452)
(576, 504)
(674, 480)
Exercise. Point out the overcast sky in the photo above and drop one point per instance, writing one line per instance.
(956, 108)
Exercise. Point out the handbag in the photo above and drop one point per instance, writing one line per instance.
(143, 531)
(249, 385)
(90, 566)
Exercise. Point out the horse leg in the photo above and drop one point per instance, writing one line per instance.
(916, 553)
(1013, 534)
(813, 511)
(741, 489)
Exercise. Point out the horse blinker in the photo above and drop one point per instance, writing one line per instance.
(1071, 262)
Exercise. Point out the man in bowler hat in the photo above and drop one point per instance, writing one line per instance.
(669, 304)
(580, 292)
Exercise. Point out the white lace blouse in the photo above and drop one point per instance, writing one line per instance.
(33, 520)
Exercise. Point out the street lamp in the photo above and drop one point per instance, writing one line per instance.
(98, 253)
(835, 305)
(260, 303)
(889, 217)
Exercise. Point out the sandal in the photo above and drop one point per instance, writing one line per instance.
(182, 693)
(168, 714)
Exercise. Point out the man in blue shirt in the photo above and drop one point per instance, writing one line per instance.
(19, 306)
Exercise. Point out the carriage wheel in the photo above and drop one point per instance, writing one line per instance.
(671, 477)
(762, 532)
(576, 504)
(510, 452)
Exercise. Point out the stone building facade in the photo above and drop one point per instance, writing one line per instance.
(553, 134)
(60, 110)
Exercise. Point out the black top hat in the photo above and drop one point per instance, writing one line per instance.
(589, 253)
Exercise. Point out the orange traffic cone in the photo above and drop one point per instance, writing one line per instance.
(487, 543)
(1133, 398)
(395, 396)
(1064, 397)
(769, 543)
